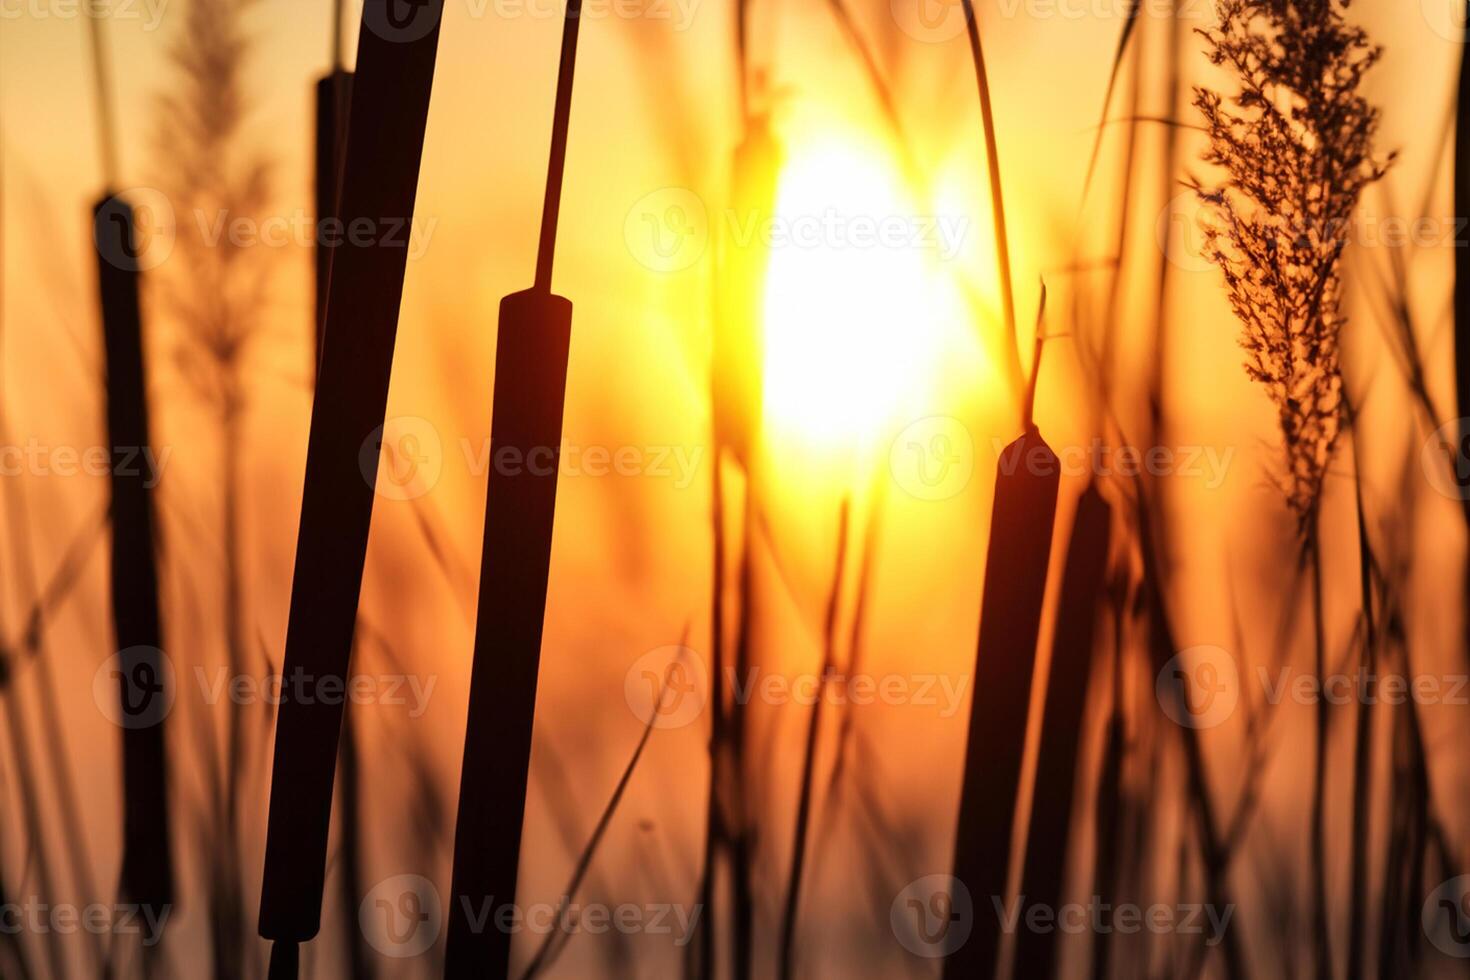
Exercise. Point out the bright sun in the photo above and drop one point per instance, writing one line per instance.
(856, 297)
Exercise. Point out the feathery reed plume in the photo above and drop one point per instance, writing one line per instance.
(395, 74)
(531, 355)
(217, 294)
(809, 756)
(1028, 475)
(1067, 684)
(1296, 145)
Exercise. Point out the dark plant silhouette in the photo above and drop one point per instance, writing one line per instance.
(380, 183)
(531, 355)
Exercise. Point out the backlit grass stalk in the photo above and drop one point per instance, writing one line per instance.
(380, 181)
(1296, 145)
(809, 758)
(1011, 347)
(736, 404)
(1462, 293)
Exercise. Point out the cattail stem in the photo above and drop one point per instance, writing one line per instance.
(380, 179)
(531, 357)
(560, 125)
(102, 87)
(1028, 475)
(147, 873)
(997, 199)
(333, 106)
(1061, 732)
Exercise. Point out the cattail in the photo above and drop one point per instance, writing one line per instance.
(1016, 564)
(395, 73)
(147, 870)
(1061, 732)
(531, 356)
(1017, 559)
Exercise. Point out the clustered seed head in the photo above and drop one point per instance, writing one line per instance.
(1296, 147)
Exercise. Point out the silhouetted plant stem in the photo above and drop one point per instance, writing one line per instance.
(997, 201)
(549, 946)
(531, 356)
(809, 758)
(1363, 737)
(53, 727)
(1321, 939)
(1010, 616)
(333, 100)
(1068, 679)
(380, 181)
(1462, 294)
(147, 873)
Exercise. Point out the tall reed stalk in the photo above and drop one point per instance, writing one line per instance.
(333, 101)
(1462, 296)
(736, 403)
(801, 832)
(1296, 144)
(531, 356)
(147, 870)
(380, 182)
